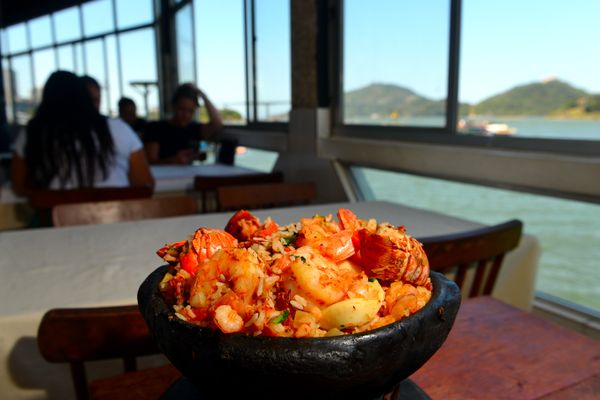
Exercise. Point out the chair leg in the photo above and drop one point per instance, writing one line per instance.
(80, 381)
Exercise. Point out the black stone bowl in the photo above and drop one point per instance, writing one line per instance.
(361, 366)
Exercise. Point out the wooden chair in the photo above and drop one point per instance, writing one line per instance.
(46, 199)
(42, 201)
(482, 249)
(207, 185)
(106, 212)
(79, 335)
(265, 195)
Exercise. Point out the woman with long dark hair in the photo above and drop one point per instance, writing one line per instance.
(69, 145)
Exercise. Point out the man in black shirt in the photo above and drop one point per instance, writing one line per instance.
(175, 141)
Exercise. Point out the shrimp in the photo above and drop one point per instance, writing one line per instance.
(229, 278)
(245, 227)
(390, 254)
(191, 253)
(325, 235)
(403, 299)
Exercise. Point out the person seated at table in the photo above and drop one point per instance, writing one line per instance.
(128, 113)
(69, 145)
(175, 141)
(93, 87)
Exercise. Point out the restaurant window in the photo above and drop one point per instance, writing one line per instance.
(85, 40)
(220, 63)
(67, 25)
(567, 229)
(395, 63)
(23, 98)
(44, 62)
(139, 71)
(40, 32)
(97, 17)
(544, 86)
(17, 38)
(133, 12)
(66, 59)
(184, 39)
(272, 58)
(247, 72)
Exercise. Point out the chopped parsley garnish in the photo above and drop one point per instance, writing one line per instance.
(281, 317)
(372, 280)
(289, 240)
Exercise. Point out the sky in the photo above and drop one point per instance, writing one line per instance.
(504, 43)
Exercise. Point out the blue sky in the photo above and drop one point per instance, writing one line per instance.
(504, 43)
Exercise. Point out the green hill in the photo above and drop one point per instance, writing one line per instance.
(552, 98)
(541, 98)
(383, 100)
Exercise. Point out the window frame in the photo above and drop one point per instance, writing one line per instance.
(449, 134)
(82, 40)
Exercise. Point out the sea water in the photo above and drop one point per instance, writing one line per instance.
(568, 231)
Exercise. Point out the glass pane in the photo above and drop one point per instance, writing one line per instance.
(261, 160)
(140, 78)
(79, 62)
(44, 63)
(395, 62)
(67, 25)
(23, 102)
(113, 90)
(65, 58)
(17, 38)
(40, 30)
(7, 77)
(94, 57)
(566, 229)
(97, 17)
(273, 57)
(221, 74)
(544, 87)
(185, 44)
(4, 41)
(133, 12)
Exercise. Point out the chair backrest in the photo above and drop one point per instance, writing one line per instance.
(46, 199)
(266, 195)
(106, 212)
(79, 335)
(482, 249)
(42, 201)
(208, 185)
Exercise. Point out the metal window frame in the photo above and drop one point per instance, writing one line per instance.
(82, 40)
(447, 135)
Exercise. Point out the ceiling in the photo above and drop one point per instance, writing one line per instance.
(15, 11)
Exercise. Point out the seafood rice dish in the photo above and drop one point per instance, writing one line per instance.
(312, 278)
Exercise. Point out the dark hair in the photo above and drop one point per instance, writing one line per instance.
(186, 91)
(89, 81)
(67, 136)
(125, 101)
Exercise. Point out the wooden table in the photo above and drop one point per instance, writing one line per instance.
(98, 265)
(494, 351)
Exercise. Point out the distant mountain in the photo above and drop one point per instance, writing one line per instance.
(383, 100)
(380, 100)
(541, 98)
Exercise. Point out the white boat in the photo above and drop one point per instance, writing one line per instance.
(499, 129)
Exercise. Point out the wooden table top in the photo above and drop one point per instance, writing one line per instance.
(494, 351)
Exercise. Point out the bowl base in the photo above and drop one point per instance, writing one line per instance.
(182, 389)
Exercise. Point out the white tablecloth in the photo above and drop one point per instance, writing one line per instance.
(104, 265)
(176, 178)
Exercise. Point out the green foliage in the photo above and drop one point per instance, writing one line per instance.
(554, 97)
(532, 99)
